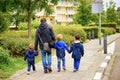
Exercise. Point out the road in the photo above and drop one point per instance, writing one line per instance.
(115, 74)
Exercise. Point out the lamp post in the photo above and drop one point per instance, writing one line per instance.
(97, 9)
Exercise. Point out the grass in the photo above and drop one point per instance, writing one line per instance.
(16, 63)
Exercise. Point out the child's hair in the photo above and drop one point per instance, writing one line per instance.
(31, 46)
(59, 37)
(77, 37)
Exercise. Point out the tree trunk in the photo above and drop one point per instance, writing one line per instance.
(29, 19)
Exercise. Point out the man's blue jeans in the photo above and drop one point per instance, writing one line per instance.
(76, 63)
(46, 59)
(59, 62)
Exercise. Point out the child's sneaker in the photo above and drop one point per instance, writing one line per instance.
(34, 71)
(28, 73)
(75, 70)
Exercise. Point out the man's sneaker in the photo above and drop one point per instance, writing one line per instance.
(64, 68)
(28, 73)
(45, 71)
(49, 69)
(58, 70)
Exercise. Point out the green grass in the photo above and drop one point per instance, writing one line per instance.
(16, 63)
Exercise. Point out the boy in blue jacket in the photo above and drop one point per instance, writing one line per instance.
(30, 57)
(60, 47)
(77, 50)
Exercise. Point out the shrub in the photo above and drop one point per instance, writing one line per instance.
(91, 29)
(35, 23)
(108, 31)
(3, 22)
(16, 46)
(23, 26)
(4, 56)
(69, 33)
(112, 25)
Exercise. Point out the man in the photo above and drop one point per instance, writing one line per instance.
(44, 34)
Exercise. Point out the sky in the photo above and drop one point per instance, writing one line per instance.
(117, 2)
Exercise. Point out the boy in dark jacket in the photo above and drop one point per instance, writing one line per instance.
(30, 57)
(60, 47)
(77, 50)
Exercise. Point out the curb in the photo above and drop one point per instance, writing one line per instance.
(100, 72)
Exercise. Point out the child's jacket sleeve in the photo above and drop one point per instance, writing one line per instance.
(25, 56)
(36, 53)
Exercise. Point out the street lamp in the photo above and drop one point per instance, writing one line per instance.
(97, 9)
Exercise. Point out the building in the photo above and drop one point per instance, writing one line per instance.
(63, 12)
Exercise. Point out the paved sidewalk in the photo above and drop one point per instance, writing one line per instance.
(89, 65)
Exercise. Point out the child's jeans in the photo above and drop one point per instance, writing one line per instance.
(31, 63)
(59, 62)
(76, 64)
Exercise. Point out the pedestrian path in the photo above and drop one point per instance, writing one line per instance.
(89, 65)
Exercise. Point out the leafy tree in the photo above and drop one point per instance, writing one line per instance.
(111, 12)
(83, 13)
(29, 6)
(4, 15)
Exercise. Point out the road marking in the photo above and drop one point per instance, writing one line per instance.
(104, 64)
(97, 76)
(108, 57)
(111, 48)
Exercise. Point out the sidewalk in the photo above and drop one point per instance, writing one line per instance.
(88, 67)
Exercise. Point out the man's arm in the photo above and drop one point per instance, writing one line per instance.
(36, 40)
(52, 34)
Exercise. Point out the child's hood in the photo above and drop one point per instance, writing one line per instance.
(77, 45)
(30, 52)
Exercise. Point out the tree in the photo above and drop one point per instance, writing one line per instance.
(83, 13)
(4, 15)
(29, 6)
(111, 12)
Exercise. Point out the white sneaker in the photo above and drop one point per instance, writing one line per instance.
(28, 73)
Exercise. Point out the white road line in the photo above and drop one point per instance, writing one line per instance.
(111, 48)
(97, 76)
(103, 64)
(108, 57)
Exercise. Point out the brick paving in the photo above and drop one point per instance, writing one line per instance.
(89, 65)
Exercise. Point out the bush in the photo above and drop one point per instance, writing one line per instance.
(69, 32)
(112, 25)
(4, 56)
(24, 25)
(16, 46)
(16, 42)
(3, 22)
(91, 29)
(108, 31)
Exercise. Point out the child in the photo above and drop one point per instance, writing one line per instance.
(77, 50)
(60, 47)
(30, 57)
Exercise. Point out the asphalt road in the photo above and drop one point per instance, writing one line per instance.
(115, 75)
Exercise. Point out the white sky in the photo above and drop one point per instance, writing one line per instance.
(117, 2)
